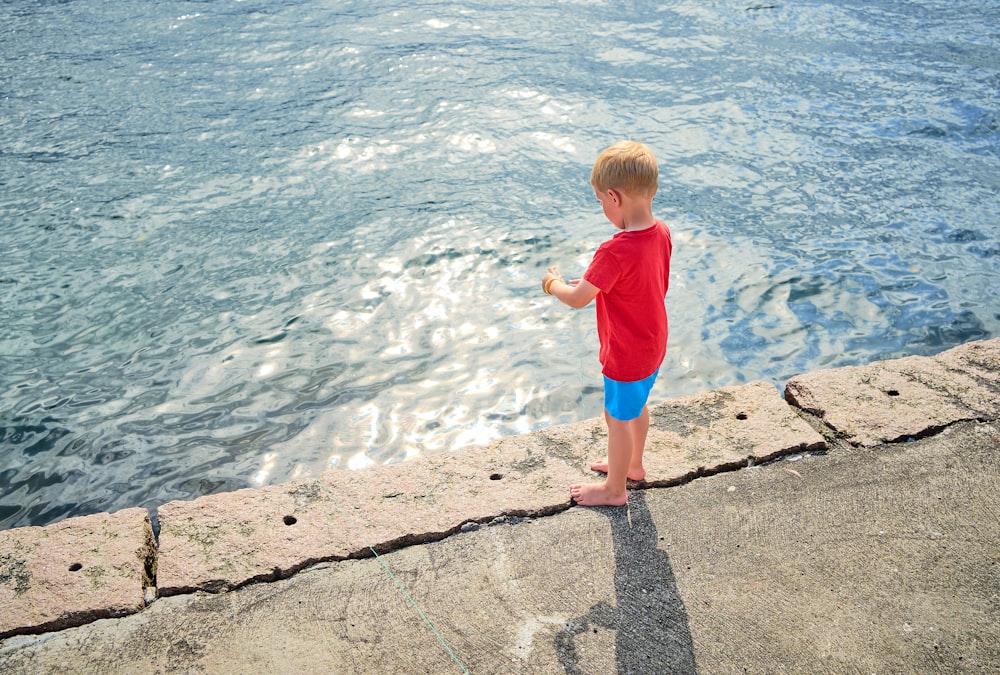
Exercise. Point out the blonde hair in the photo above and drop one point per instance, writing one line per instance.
(627, 166)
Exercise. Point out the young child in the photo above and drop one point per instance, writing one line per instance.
(628, 276)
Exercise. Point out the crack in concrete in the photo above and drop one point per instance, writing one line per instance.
(934, 430)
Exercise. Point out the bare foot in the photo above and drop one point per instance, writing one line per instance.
(597, 494)
(601, 466)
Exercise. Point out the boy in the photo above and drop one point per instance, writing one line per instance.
(628, 276)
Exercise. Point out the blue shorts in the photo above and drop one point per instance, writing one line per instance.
(624, 400)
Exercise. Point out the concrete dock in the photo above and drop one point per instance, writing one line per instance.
(851, 525)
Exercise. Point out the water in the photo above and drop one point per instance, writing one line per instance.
(244, 242)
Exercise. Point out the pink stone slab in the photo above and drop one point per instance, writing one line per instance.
(894, 400)
(74, 571)
(723, 429)
(224, 541)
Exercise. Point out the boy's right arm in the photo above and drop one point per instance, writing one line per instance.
(575, 294)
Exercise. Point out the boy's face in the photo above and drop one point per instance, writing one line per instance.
(611, 200)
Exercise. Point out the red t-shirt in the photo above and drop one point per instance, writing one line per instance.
(632, 270)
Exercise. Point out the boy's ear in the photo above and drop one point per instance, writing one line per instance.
(616, 196)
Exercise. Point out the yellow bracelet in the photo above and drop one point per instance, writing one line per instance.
(548, 285)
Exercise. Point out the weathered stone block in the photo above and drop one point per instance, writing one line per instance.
(723, 429)
(911, 397)
(75, 571)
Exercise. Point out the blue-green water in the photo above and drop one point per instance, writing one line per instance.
(244, 242)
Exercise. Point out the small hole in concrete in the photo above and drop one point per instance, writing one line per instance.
(892, 392)
(496, 476)
(75, 567)
(741, 416)
(290, 520)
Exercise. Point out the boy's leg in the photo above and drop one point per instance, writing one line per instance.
(612, 492)
(640, 429)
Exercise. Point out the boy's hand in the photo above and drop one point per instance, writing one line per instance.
(577, 293)
(549, 277)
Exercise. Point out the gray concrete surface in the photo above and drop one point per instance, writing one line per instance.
(881, 559)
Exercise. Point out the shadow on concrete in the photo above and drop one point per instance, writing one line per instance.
(650, 621)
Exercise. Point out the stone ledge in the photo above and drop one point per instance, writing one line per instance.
(889, 401)
(227, 540)
(75, 571)
(98, 566)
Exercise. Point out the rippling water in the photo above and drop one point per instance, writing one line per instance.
(243, 242)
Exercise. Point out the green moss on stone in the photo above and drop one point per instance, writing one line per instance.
(306, 494)
(14, 572)
(95, 574)
(205, 536)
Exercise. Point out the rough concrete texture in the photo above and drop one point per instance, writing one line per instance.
(224, 541)
(75, 571)
(859, 560)
(904, 398)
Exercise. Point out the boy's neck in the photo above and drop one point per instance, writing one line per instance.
(637, 214)
(639, 225)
